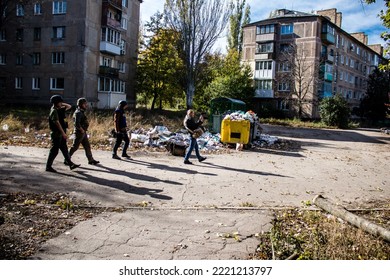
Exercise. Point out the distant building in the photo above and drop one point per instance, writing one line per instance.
(75, 48)
(334, 60)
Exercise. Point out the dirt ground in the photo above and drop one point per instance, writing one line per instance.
(350, 167)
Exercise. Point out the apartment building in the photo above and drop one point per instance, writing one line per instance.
(299, 58)
(75, 48)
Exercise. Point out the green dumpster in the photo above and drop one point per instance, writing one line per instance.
(221, 105)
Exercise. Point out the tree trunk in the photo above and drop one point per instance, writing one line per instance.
(357, 221)
(190, 93)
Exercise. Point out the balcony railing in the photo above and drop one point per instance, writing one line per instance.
(264, 93)
(108, 71)
(110, 48)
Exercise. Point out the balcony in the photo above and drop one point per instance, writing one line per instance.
(114, 3)
(265, 37)
(107, 47)
(264, 74)
(108, 71)
(328, 37)
(264, 93)
(110, 22)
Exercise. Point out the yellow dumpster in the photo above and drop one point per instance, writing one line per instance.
(235, 131)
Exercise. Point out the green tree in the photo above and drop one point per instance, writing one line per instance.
(199, 23)
(237, 19)
(373, 106)
(234, 80)
(209, 69)
(159, 66)
(335, 111)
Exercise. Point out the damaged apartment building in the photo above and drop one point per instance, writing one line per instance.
(74, 48)
(299, 58)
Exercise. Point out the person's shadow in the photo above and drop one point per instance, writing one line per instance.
(119, 185)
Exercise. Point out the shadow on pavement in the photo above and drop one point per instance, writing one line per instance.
(212, 165)
(324, 134)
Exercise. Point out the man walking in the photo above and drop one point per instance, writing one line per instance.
(58, 135)
(191, 125)
(121, 130)
(81, 125)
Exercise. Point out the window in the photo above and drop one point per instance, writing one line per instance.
(287, 29)
(263, 84)
(36, 83)
(19, 10)
(19, 34)
(352, 63)
(286, 48)
(284, 66)
(124, 23)
(3, 59)
(123, 47)
(265, 48)
(18, 83)
(56, 83)
(37, 9)
(265, 29)
(59, 7)
(107, 61)
(3, 35)
(36, 58)
(124, 3)
(122, 67)
(58, 58)
(283, 86)
(341, 75)
(107, 84)
(263, 65)
(19, 59)
(58, 32)
(37, 34)
(112, 36)
(327, 28)
(283, 105)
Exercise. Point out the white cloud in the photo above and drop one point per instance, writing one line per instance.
(356, 17)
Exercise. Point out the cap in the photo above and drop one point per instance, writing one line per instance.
(56, 99)
(81, 101)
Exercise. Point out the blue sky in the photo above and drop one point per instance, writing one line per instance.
(355, 16)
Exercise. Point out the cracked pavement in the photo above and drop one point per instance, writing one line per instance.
(208, 210)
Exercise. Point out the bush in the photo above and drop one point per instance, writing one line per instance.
(335, 111)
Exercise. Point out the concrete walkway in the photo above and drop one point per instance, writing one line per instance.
(209, 210)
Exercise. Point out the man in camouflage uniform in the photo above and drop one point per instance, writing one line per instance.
(58, 135)
(81, 125)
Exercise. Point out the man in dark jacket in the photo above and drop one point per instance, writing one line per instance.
(81, 125)
(121, 130)
(191, 125)
(58, 135)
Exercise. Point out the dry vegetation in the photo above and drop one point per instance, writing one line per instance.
(27, 220)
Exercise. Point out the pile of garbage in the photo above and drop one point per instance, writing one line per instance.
(161, 137)
(241, 115)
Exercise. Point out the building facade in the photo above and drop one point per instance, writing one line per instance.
(75, 48)
(299, 58)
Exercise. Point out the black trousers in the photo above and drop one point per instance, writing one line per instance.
(57, 143)
(119, 138)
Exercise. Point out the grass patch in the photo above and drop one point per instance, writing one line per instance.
(314, 235)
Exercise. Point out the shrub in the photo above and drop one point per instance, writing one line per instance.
(335, 111)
